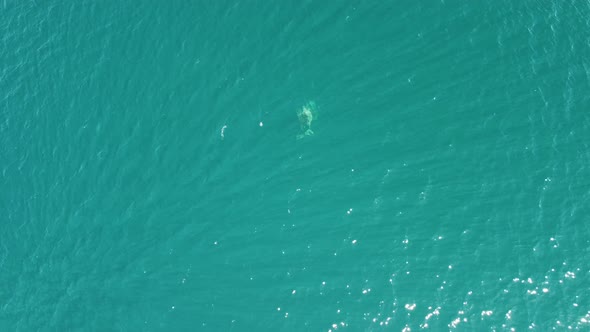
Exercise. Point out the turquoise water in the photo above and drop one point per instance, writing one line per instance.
(152, 179)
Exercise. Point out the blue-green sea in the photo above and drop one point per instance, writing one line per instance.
(295, 165)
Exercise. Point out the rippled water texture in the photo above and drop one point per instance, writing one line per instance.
(152, 178)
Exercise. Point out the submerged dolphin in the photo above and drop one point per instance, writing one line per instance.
(305, 116)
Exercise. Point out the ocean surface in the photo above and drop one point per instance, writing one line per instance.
(295, 165)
